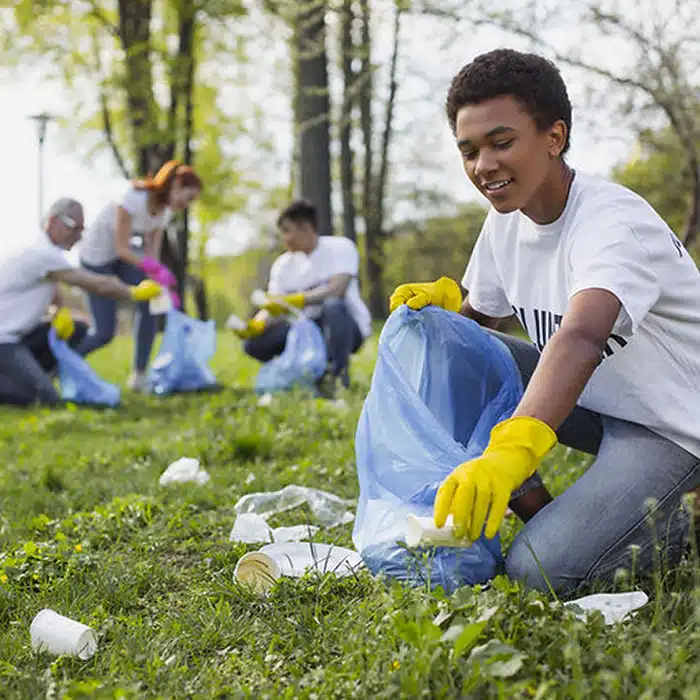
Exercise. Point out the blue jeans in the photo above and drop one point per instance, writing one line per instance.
(624, 512)
(104, 315)
(26, 367)
(340, 331)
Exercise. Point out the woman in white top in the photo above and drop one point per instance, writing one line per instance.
(125, 241)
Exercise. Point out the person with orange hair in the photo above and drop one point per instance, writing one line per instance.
(125, 241)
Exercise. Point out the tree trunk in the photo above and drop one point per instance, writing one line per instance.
(374, 186)
(347, 166)
(312, 109)
(135, 35)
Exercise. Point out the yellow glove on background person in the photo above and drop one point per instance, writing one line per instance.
(482, 487)
(63, 323)
(146, 290)
(444, 293)
(253, 328)
(277, 305)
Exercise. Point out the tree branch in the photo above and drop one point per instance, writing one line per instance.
(98, 14)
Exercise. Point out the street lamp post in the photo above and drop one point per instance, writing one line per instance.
(42, 119)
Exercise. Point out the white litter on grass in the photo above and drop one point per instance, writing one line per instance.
(293, 533)
(250, 528)
(330, 510)
(60, 635)
(293, 559)
(183, 470)
(615, 607)
(265, 400)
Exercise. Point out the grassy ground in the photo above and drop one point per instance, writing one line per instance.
(85, 529)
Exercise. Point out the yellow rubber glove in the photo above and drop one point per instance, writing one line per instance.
(146, 290)
(254, 328)
(444, 293)
(63, 324)
(482, 487)
(277, 305)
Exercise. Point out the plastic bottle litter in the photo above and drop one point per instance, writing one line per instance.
(183, 470)
(330, 510)
(421, 532)
(293, 559)
(258, 298)
(615, 607)
(60, 635)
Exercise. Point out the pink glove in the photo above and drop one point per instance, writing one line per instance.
(158, 272)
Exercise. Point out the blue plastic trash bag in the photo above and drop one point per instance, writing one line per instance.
(440, 384)
(182, 363)
(301, 363)
(78, 381)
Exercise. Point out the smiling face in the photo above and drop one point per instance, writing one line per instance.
(511, 162)
(298, 235)
(65, 230)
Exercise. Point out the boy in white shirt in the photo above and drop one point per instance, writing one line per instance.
(611, 302)
(29, 275)
(319, 275)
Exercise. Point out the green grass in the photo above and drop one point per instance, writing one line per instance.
(85, 529)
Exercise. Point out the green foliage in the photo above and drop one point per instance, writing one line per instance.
(86, 530)
(427, 250)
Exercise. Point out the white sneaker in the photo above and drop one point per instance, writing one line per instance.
(139, 382)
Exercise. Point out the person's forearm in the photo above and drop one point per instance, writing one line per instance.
(128, 256)
(108, 286)
(482, 319)
(567, 363)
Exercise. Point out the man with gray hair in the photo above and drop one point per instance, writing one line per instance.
(30, 271)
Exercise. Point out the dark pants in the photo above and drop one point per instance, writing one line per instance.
(104, 315)
(340, 331)
(26, 367)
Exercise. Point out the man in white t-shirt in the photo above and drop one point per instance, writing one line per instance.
(29, 274)
(319, 275)
(611, 302)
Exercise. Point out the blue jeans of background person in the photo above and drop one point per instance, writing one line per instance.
(340, 331)
(26, 367)
(104, 315)
(623, 513)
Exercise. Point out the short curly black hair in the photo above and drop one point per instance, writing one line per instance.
(301, 211)
(533, 80)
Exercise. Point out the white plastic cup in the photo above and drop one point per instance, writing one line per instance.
(235, 323)
(257, 570)
(161, 304)
(258, 298)
(421, 532)
(60, 635)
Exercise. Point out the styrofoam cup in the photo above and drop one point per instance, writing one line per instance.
(257, 570)
(59, 635)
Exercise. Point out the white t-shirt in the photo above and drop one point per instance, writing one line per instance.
(98, 245)
(25, 290)
(334, 255)
(608, 238)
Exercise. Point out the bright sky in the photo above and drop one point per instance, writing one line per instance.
(67, 173)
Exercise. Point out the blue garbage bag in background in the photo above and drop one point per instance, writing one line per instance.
(182, 363)
(79, 383)
(440, 384)
(301, 363)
